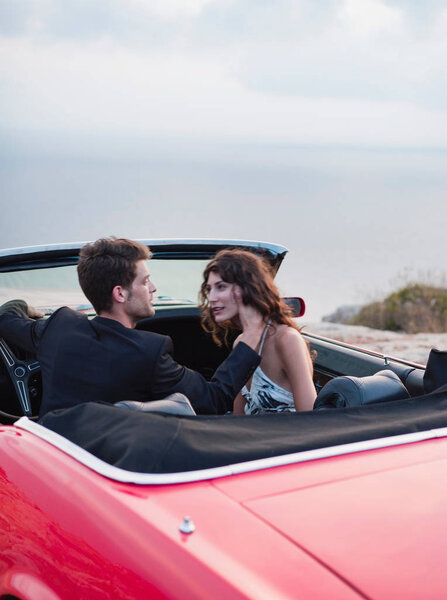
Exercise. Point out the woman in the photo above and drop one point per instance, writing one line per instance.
(283, 380)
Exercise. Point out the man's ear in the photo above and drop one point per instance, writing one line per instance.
(120, 294)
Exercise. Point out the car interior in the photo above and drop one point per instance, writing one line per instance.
(349, 376)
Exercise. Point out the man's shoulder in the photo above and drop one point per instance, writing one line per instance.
(103, 328)
(150, 338)
(64, 313)
(137, 335)
(152, 345)
(143, 333)
(62, 320)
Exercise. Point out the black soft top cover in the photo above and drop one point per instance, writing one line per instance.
(158, 443)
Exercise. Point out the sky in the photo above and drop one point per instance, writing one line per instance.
(318, 125)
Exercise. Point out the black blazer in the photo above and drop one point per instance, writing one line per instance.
(100, 360)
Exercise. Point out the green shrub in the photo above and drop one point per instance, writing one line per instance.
(414, 308)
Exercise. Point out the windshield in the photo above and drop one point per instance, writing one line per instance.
(177, 281)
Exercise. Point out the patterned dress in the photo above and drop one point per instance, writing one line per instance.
(264, 394)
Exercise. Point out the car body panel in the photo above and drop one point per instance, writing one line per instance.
(382, 531)
(98, 532)
(318, 529)
(332, 469)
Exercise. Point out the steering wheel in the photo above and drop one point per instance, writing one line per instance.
(20, 372)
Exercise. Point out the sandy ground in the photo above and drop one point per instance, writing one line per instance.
(413, 347)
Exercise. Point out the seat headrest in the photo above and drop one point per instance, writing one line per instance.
(435, 374)
(344, 391)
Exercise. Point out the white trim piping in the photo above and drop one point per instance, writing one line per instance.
(103, 468)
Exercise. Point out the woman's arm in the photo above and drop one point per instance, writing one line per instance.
(297, 366)
(239, 405)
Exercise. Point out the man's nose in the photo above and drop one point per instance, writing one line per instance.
(152, 287)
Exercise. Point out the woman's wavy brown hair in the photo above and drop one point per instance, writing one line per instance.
(254, 276)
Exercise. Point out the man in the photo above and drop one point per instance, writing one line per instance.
(105, 359)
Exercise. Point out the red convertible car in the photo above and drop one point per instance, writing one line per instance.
(348, 501)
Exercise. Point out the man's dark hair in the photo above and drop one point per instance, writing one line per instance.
(106, 263)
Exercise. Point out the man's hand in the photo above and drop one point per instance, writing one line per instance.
(251, 320)
(21, 309)
(34, 313)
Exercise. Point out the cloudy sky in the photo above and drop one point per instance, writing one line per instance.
(320, 125)
(335, 71)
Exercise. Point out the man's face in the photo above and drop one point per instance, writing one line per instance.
(140, 299)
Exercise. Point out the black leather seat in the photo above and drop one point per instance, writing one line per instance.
(346, 391)
(435, 375)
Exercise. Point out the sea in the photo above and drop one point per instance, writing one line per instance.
(358, 222)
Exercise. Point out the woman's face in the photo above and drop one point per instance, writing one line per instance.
(221, 298)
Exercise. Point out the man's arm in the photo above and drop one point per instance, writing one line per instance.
(19, 327)
(207, 397)
(217, 395)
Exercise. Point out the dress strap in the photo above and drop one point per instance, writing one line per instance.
(263, 336)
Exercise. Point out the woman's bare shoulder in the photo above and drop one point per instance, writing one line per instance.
(286, 336)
